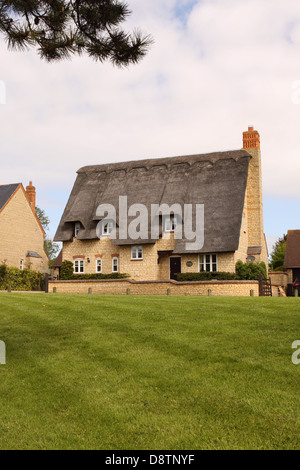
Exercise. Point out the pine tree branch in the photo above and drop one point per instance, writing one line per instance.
(63, 28)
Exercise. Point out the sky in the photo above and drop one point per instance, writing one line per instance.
(215, 68)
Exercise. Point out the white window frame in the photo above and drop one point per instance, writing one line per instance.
(97, 265)
(170, 223)
(208, 262)
(21, 264)
(107, 228)
(79, 262)
(137, 252)
(77, 228)
(113, 265)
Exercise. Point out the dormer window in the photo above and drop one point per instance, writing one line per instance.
(107, 227)
(170, 223)
(77, 228)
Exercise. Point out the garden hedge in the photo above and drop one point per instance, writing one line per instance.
(20, 279)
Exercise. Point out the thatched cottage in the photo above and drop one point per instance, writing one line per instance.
(227, 186)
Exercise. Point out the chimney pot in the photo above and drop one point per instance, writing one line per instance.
(30, 193)
(251, 139)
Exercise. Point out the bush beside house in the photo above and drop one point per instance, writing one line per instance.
(250, 271)
(244, 272)
(20, 279)
(206, 276)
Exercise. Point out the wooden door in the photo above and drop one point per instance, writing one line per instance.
(175, 267)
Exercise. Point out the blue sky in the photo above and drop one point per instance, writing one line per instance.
(216, 67)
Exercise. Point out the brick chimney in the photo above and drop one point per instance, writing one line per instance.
(251, 139)
(254, 197)
(30, 193)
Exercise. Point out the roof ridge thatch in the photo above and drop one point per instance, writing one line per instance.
(152, 162)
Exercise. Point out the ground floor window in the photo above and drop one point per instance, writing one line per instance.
(21, 264)
(98, 265)
(208, 262)
(115, 265)
(78, 266)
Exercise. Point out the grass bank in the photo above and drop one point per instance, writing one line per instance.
(125, 372)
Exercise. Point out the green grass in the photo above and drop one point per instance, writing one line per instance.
(126, 372)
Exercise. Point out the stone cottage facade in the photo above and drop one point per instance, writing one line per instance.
(227, 186)
(21, 234)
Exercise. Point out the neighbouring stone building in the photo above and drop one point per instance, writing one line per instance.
(21, 234)
(227, 184)
(292, 255)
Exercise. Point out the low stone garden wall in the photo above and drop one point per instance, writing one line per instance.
(129, 287)
(279, 278)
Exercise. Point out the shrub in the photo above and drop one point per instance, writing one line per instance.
(100, 276)
(20, 279)
(250, 271)
(66, 270)
(2, 272)
(205, 276)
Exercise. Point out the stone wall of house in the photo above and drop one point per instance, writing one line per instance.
(20, 232)
(241, 253)
(124, 286)
(254, 206)
(147, 268)
(90, 251)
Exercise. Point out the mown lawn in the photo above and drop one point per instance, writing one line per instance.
(126, 372)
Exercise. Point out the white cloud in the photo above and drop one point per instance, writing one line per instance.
(228, 65)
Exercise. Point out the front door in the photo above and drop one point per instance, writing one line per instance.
(175, 267)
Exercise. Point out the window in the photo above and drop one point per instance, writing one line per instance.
(137, 252)
(99, 265)
(77, 228)
(170, 223)
(78, 266)
(115, 265)
(107, 227)
(208, 263)
(21, 264)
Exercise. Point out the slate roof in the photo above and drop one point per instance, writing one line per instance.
(217, 180)
(292, 250)
(32, 254)
(6, 191)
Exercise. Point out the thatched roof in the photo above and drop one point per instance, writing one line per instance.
(217, 180)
